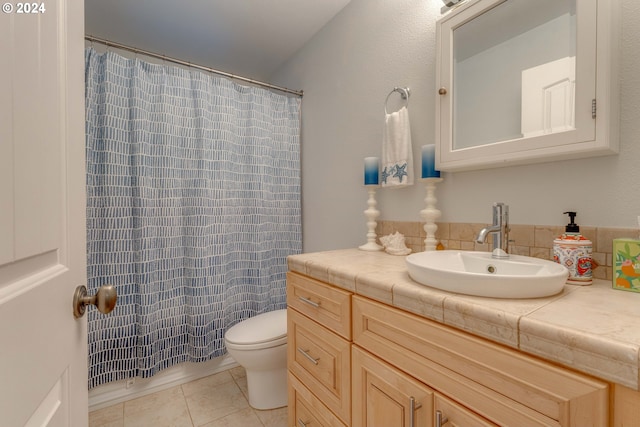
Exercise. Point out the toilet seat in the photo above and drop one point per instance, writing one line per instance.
(262, 331)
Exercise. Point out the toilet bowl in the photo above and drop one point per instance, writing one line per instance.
(259, 345)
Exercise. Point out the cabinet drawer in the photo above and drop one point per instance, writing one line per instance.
(306, 410)
(322, 361)
(325, 304)
(456, 415)
(502, 385)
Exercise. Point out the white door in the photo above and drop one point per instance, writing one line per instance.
(548, 97)
(43, 349)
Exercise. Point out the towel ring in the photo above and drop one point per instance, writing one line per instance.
(404, 93)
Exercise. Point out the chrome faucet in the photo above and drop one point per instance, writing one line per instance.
(499, 230)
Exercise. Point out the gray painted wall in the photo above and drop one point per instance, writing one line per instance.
(346, 72)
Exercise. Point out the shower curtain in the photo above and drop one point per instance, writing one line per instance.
(193, 205)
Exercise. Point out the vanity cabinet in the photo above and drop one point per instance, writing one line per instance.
(318, 353)
(475, 381)
(357, 362)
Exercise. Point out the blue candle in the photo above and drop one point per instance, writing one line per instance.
(429, 162)
(371, 170)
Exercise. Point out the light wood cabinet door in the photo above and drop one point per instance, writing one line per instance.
(454, 415)
(321, 360)
(383, 396)
(305, 410)
(626, 407)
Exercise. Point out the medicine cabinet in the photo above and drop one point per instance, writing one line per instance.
(521, 81)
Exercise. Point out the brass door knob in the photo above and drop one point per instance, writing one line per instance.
(105, 300)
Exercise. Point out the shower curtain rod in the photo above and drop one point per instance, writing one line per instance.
(189, 64)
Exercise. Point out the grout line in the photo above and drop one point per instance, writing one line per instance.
(186, 401)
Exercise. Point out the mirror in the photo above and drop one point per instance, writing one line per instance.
(523, 44)
(519, 80)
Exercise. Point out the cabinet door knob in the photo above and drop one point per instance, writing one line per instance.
(441, 419)
(442, 91)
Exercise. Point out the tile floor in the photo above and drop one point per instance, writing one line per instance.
(219, 400)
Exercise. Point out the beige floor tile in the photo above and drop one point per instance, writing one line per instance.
(238, 372)
(164, 408)
(219, 400)
(274, 417)
(111, 416)
(243, 418)
(211, 398)
(240, 377)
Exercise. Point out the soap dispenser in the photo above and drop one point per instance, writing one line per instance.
(573, 250)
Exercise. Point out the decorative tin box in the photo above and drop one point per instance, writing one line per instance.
(626, 264)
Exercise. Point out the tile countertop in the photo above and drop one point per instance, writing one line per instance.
(593, 329)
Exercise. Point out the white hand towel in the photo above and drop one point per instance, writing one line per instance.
(397, 153)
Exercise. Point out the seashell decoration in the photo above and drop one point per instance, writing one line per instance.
(394, 244)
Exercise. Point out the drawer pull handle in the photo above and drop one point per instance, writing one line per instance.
(308, 356)
(302, 423)
(412, 411)
(310, 302)
(441, 419)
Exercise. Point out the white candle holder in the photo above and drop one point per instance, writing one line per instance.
(371, 213)
(430, 214)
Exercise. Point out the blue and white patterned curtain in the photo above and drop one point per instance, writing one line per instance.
(193, 205)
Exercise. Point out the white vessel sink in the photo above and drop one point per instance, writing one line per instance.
(476, 273)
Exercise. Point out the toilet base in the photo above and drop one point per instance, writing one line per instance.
(267, 389)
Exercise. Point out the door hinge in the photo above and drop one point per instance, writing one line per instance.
(593, 108)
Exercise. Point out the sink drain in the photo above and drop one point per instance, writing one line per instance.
(492, 269)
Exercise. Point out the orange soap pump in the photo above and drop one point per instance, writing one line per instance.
(573, 250)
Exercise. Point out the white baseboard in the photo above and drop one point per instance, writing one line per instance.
(121, 391)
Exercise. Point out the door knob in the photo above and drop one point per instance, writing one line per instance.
(105, 300)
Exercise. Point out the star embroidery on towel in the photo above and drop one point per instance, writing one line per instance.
(386, 174)
(400, 172)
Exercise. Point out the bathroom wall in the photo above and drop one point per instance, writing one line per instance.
(346, 72)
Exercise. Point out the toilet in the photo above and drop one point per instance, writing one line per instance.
(259, 345)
